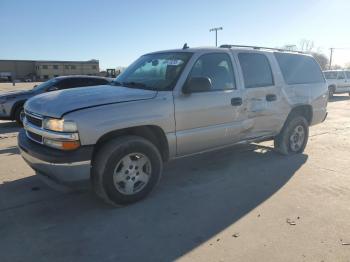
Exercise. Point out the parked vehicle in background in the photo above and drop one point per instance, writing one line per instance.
(172, 104)
(338, 81)
(11, 103)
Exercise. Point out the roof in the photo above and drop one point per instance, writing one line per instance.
(49, 61)
(232, 47)
(336, 70)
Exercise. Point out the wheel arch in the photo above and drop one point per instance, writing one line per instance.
(15, 107)
(301, 110)
(152, 133)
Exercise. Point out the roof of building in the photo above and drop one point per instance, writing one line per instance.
(50, 61)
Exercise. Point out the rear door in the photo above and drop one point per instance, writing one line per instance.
(341, 82)
(347, 74)
(205, 120)
(262, 97)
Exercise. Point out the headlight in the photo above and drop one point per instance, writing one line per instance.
(59, 125)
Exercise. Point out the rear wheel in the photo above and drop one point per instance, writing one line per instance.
(293, 137)
(126, 169)
(19, 115)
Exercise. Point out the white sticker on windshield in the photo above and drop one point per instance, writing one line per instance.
(175, 62)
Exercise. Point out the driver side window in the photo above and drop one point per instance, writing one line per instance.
(218, 68)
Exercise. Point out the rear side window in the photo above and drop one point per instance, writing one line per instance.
(299, 69)
(99, 81)
(71, 82)
(341, 75)
(256, 70)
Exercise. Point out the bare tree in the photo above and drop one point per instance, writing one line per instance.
(306, 45)
(321, 59)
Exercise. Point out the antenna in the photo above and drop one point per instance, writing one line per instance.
(185, 46)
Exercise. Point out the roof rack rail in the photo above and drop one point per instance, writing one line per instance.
(260, 47)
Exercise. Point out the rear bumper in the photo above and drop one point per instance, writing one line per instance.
(60, 166)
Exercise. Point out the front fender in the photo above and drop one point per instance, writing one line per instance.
(93, 123)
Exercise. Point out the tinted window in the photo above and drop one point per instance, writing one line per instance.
(331, 75)
(218, 68)
(299, 69)
(256, 70)
(347, 74)
(96, 81)
(71, 82)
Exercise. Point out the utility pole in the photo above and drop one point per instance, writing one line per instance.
(330, 59)
(216, 29)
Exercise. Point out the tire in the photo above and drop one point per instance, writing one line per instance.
(19, 113)
(112, 172)
(330, 92)
(290, 140)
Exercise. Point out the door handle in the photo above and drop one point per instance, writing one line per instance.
(236, 101)
(271, 97)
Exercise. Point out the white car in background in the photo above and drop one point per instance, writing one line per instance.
(338, 81)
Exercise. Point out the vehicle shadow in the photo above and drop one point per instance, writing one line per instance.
(8, 127)
(12, 150)
(198, 198)
(338, 98)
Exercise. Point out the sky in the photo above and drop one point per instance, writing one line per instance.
(118, 32)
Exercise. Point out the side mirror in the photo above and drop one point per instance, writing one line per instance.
(35, 86)
(197, 84)
(52, 88)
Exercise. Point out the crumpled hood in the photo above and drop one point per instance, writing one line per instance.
(56, 104)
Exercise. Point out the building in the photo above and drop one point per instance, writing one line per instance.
(42, 70)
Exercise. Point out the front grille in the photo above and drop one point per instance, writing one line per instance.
(35, 137)
(34, 120)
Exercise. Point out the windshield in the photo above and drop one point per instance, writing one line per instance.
(154, 71)
(43, 86)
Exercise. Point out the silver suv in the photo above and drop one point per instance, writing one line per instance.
(172, 104)
(338, 81)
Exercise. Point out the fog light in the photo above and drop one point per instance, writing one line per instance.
(63, 145)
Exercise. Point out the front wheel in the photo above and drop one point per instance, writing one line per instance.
(330, 92)
(293, 137)
(126, 169)
(19, 115)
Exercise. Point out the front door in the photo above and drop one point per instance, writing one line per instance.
(205, 120)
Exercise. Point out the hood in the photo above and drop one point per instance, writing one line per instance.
(56, 104)
(15, 93)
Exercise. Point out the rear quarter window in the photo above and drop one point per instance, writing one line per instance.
(299, 69)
